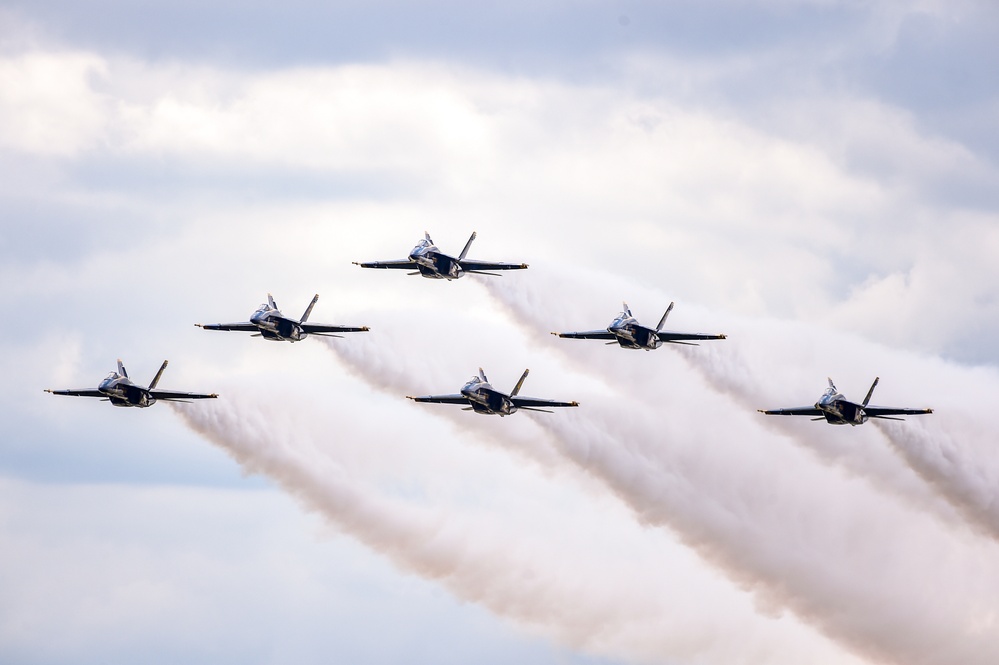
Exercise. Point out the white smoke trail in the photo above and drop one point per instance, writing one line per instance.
(886, 527)
(620, 611)
(742, 517)
(951, 457)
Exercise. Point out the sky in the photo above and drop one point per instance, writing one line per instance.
(816, 179)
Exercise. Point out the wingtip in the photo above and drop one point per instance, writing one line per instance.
(214, 395)
(365, 329)
(410, 397)
(48, 390)
(574, 403)
(722, 336)
(199, 325)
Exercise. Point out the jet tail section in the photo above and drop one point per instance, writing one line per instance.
(270, 301)
(627, 310)
(156, 379)
(520, 384)
(871, 391)
(662, 321)
(482, 375)
(461, 257)
(121, 369)
(308, 310)
(426, 234)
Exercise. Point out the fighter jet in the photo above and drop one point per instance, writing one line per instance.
(268, 322)
(836, 410)
(627, 332)
(118, 389)
(482, 398)
(427, 260)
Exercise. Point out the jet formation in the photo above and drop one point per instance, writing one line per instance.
(477, 394)
(118, 389)
(837, 410)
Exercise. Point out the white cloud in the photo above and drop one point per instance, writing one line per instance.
(48, 104)
(822, 213)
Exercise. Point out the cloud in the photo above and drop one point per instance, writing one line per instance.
(168, 203)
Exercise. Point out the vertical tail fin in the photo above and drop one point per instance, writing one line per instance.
(871, 391)
(520, 384)
(270, 301)
(121, 369)
(461, 257)
(426, 235)
(308, 310)
(831, 384)
(156, 379)
(482, 375)
(627, 310)
(662, 321)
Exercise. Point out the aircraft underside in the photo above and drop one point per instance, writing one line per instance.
(844, 413)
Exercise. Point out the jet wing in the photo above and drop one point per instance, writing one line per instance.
(677, 336)
(402, 264)
(878, 411)
(78, 393)
(322, 328)
(591, 334)
(441, 399)
(534, 402)
(795, 411)
(171, 395)
(483, 266)
(240, 327)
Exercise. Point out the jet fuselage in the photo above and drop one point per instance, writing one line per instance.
(631, 335)
(433, 264)
(486, 400)
(120, 391)
(840, 411)
(274, 326)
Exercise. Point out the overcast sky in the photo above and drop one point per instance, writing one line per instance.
(817, 179)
